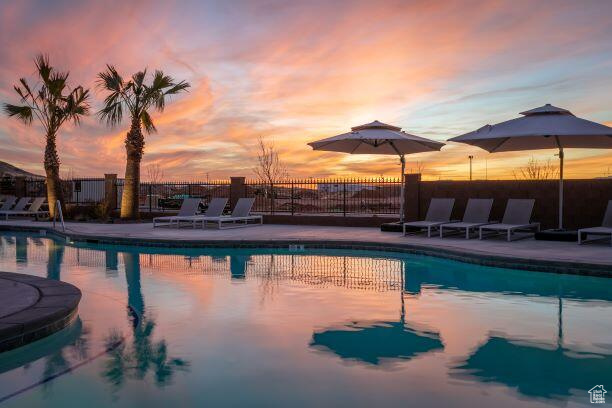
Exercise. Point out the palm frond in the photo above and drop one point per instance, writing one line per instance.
(147, 122)
(28, 91)
(112, 113)
(110, 80)
(43, 67)
(77, 104)
(181, 86)
(138, 79)
(23, 113)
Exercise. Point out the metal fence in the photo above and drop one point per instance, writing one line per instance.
(308, 196)
(76, 191)
(170, 195)
(325, 196)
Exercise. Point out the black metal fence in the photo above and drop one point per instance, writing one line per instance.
(326, 196)
(169, 195)
(76, 191)
(307, 196)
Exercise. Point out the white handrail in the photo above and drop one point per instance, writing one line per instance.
(58, 209)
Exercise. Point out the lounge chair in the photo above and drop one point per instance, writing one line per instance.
(477, 213)
(33, 209)
(438, 213)
(189, 207)
(240, 216)
(214, 210)
(19, 207)
(516, 217)
(605, 229)
(8, 203)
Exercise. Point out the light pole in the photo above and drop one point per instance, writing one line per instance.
(470, 157)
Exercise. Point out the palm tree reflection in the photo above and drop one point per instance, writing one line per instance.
(143, 355)
(56, 251)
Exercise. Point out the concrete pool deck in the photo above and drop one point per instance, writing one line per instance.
(561, 257)
(33, 308)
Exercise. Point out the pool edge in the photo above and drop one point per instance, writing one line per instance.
(478, 258)
(55, 309)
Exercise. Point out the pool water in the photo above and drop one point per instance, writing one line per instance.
(248, 327)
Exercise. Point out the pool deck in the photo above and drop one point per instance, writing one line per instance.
(33, 308)
(562, 257)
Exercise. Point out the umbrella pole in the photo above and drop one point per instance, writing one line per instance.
(561, 187)
(402, 188)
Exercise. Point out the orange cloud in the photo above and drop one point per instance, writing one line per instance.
(296, 72)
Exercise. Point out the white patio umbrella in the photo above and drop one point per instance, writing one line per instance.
(379, 138)
(546, 127)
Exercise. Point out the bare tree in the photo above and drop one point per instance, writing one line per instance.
(419, 168)
(536, 170)
(270, 169)
(155, 173)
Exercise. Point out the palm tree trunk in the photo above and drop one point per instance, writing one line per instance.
(134, 147)
(52, 165)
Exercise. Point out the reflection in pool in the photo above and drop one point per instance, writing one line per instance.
(160, 326)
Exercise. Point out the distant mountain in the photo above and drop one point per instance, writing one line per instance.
(8, 170)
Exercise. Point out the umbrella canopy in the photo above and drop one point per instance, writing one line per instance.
(379, 138)
(376, 138)
(546, 127)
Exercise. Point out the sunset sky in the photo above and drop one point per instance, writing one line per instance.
(297, 71)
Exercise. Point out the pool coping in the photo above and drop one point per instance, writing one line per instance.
(55, 309)
(473, 257)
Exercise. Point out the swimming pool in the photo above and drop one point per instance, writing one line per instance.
(274, 327)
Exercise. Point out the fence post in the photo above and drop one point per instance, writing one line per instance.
(237, 190)
(292, 202)
(20, 186)
(110, 191)
(272, 198)
(344, 197)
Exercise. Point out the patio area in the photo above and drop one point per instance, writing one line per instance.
(563, 257)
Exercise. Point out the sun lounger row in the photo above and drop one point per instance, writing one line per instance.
(604, 231)
(240, 217)
(12, 206)
(517, 217)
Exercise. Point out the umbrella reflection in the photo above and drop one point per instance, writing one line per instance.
(535, 369)
(143, 355)
(377, 343)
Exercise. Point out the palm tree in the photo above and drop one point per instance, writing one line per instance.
(53, 103)
(136, 98)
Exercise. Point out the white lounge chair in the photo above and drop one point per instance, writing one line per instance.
(517, 217)
(189, 207)
(19, 207)
(240, 216)
(605, 229)
(438, 213)
(214, 210)
(8, 203)
(477, 213)
(33, 209)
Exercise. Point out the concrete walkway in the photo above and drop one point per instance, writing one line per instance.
(526, 250)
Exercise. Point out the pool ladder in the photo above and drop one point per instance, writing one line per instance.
(58, 208)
